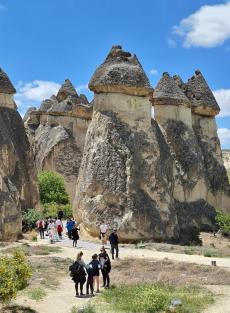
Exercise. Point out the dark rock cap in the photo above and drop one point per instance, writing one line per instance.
(67, 89)
(168, 92)
(201, 97)
(5, 84)
(121, 72)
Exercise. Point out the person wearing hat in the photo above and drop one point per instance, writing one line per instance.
(113, 238)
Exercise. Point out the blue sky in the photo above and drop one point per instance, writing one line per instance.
(45, 41)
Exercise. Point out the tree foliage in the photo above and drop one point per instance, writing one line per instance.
(15, 272)
(223, 221)
(52, 188)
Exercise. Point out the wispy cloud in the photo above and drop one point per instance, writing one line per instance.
(208, 27)
(224, 135)
(2, 7)
(31, 94)
(223, 99)
(81, 88)
(153, 71)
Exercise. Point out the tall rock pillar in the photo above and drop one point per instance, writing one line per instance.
(18, 189)
(204, 110)
(125, 174)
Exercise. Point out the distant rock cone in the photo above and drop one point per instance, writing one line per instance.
(67, 89)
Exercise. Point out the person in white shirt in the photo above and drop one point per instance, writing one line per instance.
(103, 230)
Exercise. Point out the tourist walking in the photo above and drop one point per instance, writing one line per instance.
(59, 227)
(75, 235)
(95, 266)
(105, 267)
(51, 230)
(89, 283)
(41, 228)
(78, 273)
(114, 241)
(69, 226)
(103, 233)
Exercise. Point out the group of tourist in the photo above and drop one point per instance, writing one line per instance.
(52, 227)
(79, 270)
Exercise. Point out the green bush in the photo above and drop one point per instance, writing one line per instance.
(209, 253)
(30, 217)
(150, 298)
(14, 275)
(87, 309)
(52, 209)
(189, 250)
(223, 221)
(52, 188)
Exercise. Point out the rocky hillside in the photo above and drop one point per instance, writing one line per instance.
(226, 158)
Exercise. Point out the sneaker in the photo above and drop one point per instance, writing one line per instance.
(98, 291)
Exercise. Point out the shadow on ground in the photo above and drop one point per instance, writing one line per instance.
(18, 309)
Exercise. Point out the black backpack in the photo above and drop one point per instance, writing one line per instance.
(76, 270)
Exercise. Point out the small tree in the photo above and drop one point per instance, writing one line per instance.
(14, 275)
(52, 188)
(223, 221)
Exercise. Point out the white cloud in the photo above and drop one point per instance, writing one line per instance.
(224, 135)
(31, 94)
(208, 27)
(153, 71)
(82, 87)
(223, 99)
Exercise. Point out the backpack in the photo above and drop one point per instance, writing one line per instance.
(76, 270)
(40, 224)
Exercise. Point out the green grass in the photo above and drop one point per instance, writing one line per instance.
(189, 250)
(87, 309)
(153, 298)
(34, 250)
(36, 293)
(210, 253)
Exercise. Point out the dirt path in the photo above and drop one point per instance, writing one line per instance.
(222, 303)
(62, 299)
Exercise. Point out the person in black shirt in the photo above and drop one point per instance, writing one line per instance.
(105, 267)
(113, 238)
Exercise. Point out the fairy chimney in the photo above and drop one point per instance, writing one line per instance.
(7, 91)
(170, 102)
(121, 86)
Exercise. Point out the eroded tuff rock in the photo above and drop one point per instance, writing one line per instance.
(150, 180)
(120, 72)
(226, 158)
(18, 189)
(57, 133)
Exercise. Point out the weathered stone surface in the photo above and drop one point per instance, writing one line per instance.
(122, 181)
(201, 96)
(226, 158)
(121, 72)
(18, 189)
(67, 89)
(57, 132)
(168, 91)
(6, 86)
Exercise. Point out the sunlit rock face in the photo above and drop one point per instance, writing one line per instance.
(150, 178)
(57, 133)
(18, 188)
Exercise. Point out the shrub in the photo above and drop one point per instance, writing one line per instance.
(223, 221)
(52, 188)
(52, 209)
(87, 309)
(29, 218)
(209, 253)
(189, 250)
(152, 298)
(36, 293)
(14, 275)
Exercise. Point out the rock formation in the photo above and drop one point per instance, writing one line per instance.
(18, 190)
(150, 178)
(226, 158)
(57, 133)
